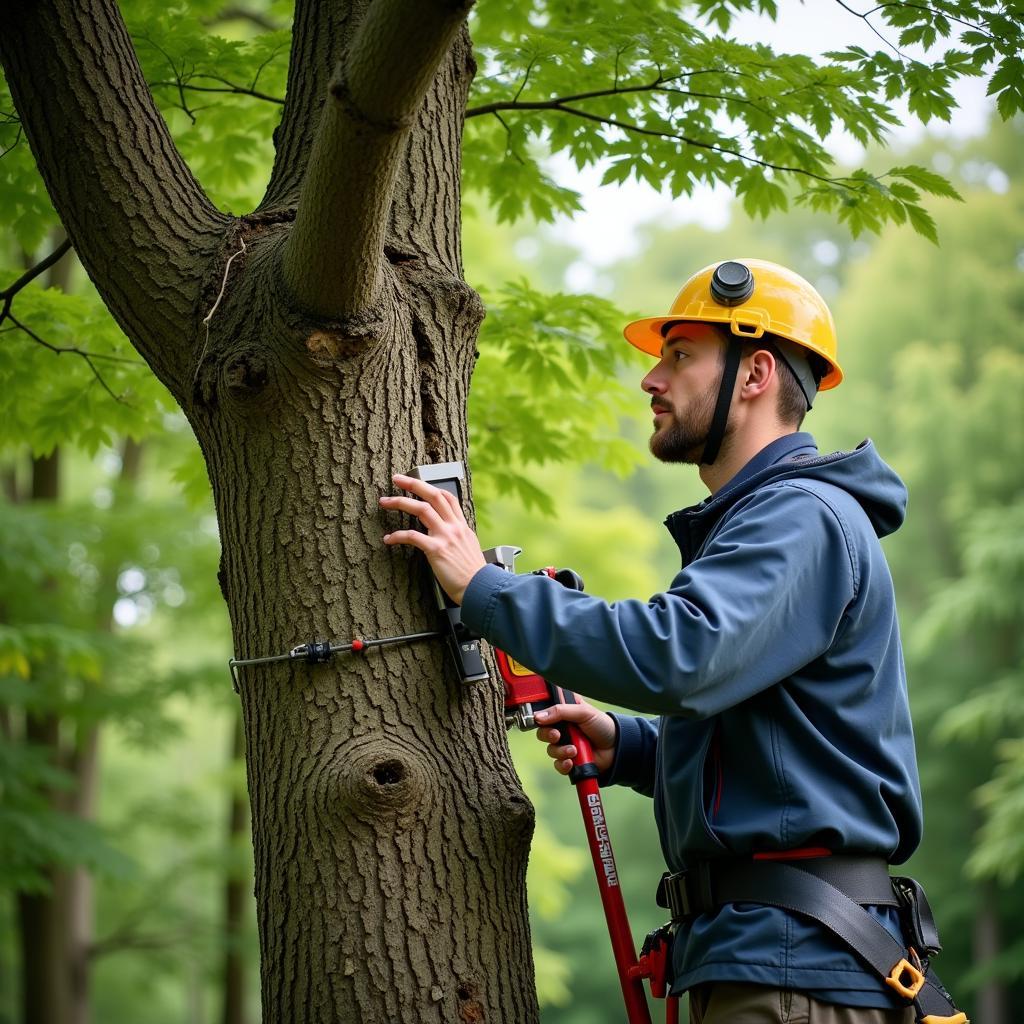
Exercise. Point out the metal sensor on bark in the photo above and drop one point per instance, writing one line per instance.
(464, 645)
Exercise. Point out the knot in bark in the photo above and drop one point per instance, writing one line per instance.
(471, 1010)
(342, 95)
(381, 778)
(246, 374)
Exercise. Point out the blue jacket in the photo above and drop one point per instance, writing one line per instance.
(774, 661)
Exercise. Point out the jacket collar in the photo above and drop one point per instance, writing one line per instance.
(690, 526)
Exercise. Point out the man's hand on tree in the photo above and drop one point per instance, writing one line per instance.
(451, 547)
(597, 726)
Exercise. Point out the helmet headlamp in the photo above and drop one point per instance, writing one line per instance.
(732, 283)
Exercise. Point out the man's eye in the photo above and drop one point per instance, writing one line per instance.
(679, 354)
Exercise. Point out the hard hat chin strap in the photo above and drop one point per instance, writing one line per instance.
(716, 434)
(787, 352)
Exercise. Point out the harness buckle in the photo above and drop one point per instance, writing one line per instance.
(916, 914)
(914, 979)
(687, 893)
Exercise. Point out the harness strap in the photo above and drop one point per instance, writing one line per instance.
(830, 891)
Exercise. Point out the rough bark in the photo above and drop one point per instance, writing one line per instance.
(389, 828)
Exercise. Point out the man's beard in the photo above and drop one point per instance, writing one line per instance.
(684, 437)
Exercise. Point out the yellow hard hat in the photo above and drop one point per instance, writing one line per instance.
(752, 297)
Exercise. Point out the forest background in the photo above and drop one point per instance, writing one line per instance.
(111, 621)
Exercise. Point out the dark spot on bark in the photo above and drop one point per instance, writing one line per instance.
(470, 1008)
(433, 435)
(399, 256)
(390, 773)
(222, 578)
(246, 374)
(424, 350)
(256, 224)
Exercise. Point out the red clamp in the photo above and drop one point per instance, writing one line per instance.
(655, 965)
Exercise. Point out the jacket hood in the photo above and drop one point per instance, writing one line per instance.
(862, 473)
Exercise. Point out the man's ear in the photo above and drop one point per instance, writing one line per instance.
(761, 369)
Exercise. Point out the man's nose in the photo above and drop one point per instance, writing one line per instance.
(652, 384)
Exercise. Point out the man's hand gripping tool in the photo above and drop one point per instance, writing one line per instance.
(527, 692)
(464, 645)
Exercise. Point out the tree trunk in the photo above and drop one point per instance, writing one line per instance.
(57, 927)
(390, 830)
(41, 939)
(992, 1004)
(236, 902)
(42, 916)
(80, 899)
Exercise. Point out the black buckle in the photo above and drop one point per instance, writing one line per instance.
(687, 893)
(918, 920)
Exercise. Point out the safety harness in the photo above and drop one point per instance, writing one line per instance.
(833, 891)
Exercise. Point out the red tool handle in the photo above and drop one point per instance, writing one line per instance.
(589, 794)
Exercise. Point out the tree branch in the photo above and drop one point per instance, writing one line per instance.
(31, 274)
(87, 356)
(239, 13)
(8, 294)
(930, 10)
(638, 130)
(865, 19)
(78, 88)
(334, 253)
(660, 84)
(6, 119)
(140, 941)
(229, 87)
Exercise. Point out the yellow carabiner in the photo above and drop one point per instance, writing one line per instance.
(896, 979)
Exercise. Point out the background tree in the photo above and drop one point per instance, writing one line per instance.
(328, 338)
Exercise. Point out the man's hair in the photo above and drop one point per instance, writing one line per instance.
(792, 405)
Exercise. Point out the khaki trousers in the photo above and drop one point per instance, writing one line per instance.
(728, 1002)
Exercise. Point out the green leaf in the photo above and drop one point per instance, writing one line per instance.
(922, 222)
(926, 180)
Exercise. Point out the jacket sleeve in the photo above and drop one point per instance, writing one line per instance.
(766, 597)
(636, 748)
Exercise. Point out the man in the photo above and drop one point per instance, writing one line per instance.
(773, 660)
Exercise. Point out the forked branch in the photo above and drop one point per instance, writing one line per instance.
(334, 255)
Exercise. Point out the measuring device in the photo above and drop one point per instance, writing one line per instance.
(527, 692)
(463, 644)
